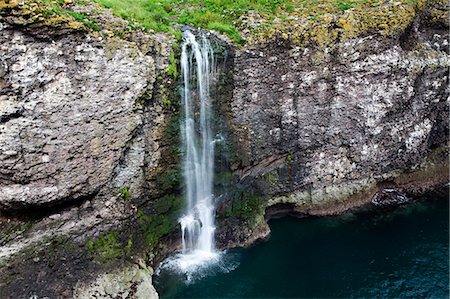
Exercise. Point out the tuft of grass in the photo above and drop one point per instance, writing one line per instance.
(125, 191)
(227, 29)
(344, 5)
(84, 19)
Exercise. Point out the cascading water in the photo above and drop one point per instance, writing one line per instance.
(197, 225)
(198, 257)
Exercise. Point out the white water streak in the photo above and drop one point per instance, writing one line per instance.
(197, 225)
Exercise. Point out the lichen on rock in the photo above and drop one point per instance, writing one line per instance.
(131, 282)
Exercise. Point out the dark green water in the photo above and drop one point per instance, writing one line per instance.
(402, 253)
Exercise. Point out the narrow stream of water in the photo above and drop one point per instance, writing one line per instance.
(402, 253)
(197, 223)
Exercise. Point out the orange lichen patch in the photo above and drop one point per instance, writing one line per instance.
(4, 4)
(323, 21)
(319, 22)
(349, 25)
(36, 13)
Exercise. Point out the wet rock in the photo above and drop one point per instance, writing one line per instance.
(389, 197)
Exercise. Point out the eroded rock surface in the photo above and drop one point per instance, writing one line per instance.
(68, 110)
(131, 282)
(316, 126)
(80, 129)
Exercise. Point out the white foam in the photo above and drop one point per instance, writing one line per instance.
(197, 264)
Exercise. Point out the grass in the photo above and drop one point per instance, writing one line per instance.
(125, 192)
(254, 19)
(231, 16)
(219, 15)
(83, 18)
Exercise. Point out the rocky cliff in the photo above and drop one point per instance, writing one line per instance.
(81, 118)
(322, 128)
(89, 171)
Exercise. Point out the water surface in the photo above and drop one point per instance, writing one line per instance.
(401, 253)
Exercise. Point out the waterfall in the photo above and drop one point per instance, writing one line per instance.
(197, 225)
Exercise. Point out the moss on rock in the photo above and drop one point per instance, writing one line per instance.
(108, 247)
(160, 219)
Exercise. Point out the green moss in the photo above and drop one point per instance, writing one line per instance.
(171, 137)
(223, 179)
(168, 94)
(172, 129)
(172, 69)
(246, 206)
(107, 247)
(170, 204)
(165, 100)
(168, 180)
(272, 179)
(163, 221)
(289, 158)
(125, 191)
(127, 248)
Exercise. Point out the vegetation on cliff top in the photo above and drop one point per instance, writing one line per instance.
(260, 19)
(47, 13)
(252, 21)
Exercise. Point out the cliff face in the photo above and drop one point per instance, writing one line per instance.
(69, 109)
(80, 121)
(322, 129)
(89, 171)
